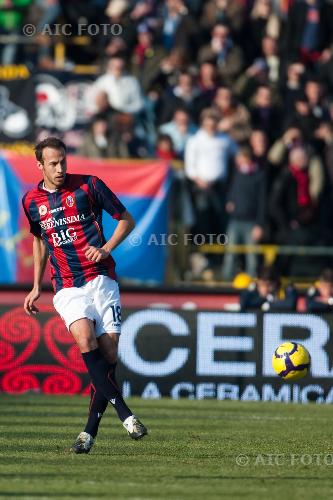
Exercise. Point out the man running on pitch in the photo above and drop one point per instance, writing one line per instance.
(65, 216)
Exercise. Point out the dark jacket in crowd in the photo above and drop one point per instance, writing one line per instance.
(248, 193)
(294, 29)
(284, 206)
(251, 299)
(315, 306)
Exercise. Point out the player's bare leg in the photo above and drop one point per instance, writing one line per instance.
(99, 356)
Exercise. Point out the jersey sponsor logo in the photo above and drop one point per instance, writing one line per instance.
(52, 222)
(69, 201)
(63, 237)
(42, 210)
(54, 210)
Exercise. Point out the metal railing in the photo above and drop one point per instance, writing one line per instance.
(269, 252)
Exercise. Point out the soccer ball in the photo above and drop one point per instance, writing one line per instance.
(291, 361)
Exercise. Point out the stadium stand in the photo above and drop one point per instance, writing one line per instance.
(150, 68)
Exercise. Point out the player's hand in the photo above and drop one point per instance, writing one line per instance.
(95, 254)
(29, 302)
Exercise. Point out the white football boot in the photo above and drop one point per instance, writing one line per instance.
(135, 428)
(83, 443)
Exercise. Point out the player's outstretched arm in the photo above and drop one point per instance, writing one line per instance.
(40, 258)
(125, 225)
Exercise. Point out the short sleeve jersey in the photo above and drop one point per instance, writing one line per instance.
(68, 220)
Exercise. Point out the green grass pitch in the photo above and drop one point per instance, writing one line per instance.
(191, 452)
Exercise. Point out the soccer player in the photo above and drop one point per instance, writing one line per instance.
(65, 216)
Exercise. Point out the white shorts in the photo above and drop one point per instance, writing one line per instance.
(97, 300)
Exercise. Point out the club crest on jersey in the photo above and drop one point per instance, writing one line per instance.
(69, 201)
(42, 210)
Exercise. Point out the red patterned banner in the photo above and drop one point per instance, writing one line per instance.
(39, 355)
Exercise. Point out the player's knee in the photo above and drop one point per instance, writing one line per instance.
(109, 351)
(108, 343)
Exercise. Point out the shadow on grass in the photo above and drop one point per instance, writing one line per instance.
(256, 478)
(16, 494)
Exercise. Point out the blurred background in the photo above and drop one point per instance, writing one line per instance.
(234, 96)
(212, 121)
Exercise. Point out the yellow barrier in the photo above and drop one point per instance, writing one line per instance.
(269, 252)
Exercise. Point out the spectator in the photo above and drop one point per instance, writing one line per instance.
(292, 89)
(314, 93)
(230, 12)
(259, 146)
(278, 156)
(269, 48)
(301, 118)
(263, 22)
(180, 129)
(319, 298)
(246, 206)
(146, 58)
(118, 13)
(293, 206)
(234, 117)
(308, 31)
(123, 141)
(207, 83)
(267, 295)
(179, 27)
(169, 69)
(309, 110)
(264, 66)
(122, 91)
(264, 113)
(164, 148)
(248, 82)
(96, 142)
(223, 52)
(208, 79)
(324, 138)
(183, 95)
(325, 68)
(207, 156)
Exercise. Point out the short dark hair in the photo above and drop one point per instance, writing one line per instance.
(246, 151)
(165, 137)
(268, 273)
(49, 142)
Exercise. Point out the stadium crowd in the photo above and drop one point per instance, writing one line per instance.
(238, 90)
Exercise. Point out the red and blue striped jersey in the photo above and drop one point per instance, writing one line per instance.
(68, 220)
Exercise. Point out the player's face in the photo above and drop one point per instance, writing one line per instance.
(53, 167)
